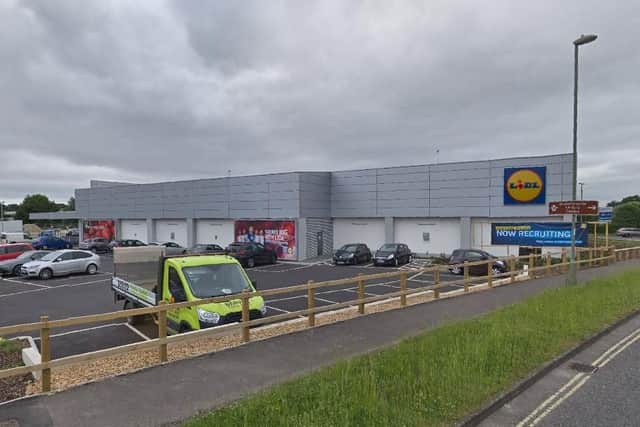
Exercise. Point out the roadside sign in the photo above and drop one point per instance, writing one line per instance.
(605, 214)
(575, 207)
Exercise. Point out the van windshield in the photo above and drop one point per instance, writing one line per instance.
(208, 281)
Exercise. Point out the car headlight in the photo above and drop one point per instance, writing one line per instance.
(208, 316)
(390, 256)
(350, 256)
(500, 263)
(263, 309)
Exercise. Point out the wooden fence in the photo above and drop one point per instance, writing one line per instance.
(519, 268)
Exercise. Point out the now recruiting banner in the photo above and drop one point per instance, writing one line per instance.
(538, 234)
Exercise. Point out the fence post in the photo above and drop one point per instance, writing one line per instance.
(578, 259)
(490, 273)
(311, 303)
(548, 262)
(403, 288)
(45, 353)
(531, 265)
(512, 269)
(564, 260)
(590, 257)
(612, 255)
(436, 282)
(360, 294)
(245, 316)
(466, 276)
(162, 331)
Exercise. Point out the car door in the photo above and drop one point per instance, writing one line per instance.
(260, 255)
(63, 264)
(80, 261)
(476, 270)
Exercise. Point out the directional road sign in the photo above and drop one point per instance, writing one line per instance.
(575, 207)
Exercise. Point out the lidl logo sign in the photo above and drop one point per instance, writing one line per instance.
(524, 186)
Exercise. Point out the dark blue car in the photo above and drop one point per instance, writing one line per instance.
(50, 242)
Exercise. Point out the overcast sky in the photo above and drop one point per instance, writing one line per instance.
(160, 90)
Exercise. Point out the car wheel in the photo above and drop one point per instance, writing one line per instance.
(92, 269)
(251, 263)
(184, 328)
(45, 274)
(456, 270)
(16, 270)
(496, 270)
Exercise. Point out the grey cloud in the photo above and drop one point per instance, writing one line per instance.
(169, 90)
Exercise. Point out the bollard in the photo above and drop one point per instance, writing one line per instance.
(245, 316)
(466, 276)
(311, 304)
(403, 288)
(162, 332)
(436, 283)
(45, 353)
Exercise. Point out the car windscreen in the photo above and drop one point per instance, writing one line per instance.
(51, 256)
(237, 248)
(349, 248)
(26, 255)
(388, 247)
(207, 281)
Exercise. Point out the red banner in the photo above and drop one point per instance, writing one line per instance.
(105, 229)
(279, 236)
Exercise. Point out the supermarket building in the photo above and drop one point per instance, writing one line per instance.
(433, 208)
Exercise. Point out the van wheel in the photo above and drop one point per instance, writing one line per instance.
(45, 274)
(132, 320)
(92, 269)
(251, 263)
(184, 328)
(16, 270)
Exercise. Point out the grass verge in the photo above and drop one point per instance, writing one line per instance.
(442, 375)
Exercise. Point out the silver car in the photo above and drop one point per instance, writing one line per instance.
(170, 248)
(60, 263)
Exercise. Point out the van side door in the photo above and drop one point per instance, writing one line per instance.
(173, 292)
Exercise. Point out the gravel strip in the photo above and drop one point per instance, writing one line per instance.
(13, 387)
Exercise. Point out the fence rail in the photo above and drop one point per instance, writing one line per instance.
(519, 268)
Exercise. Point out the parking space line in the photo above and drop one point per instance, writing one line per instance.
(25, 292)
(326, 300)
(278, 309)
(366, 293)
(76, 331)
(137, 332)
(26, 283)
(285, 298)
(84, 283)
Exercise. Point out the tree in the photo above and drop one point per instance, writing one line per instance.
(626, 215)
(71, 204)
(34, 203)
(627, 199)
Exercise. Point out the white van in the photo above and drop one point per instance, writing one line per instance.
(14, 238)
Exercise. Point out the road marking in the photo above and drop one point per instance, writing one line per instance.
(278, 309)
(77, 331)
(84, 283)
(546, 407)
(26, 283)
(51, 288)
(137, 332)
(326, 300)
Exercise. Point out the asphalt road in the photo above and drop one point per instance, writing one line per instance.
(24, 300)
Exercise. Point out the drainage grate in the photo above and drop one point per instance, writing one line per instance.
(583, 367)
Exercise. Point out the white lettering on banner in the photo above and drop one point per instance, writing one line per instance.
(505, 233)
(545, 233)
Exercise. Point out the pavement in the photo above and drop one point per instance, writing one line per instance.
(144, 398)
(599, 386)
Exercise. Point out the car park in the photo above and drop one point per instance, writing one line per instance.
(126, 243)
(252, 254)
(13, 266)
(49, 241)
(13, 250)
(352, 253)
(205, 248)
(62, 263)
(393, 254)
(628, 232)
(170, 248)
(96, 244)
(459, 256)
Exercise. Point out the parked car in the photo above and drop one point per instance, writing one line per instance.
(352, 253)
(170, 248)
(126, 243)
(13, 250)
(204, 248)
(393, 254)
(252, 254)
(13, 266)
(49, 241)
(459, 256)
(60, 263)
(96, 244)
(628, 232)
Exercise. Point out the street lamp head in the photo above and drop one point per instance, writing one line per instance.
(585, 39)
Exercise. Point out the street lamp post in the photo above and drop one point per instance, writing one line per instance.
(583, 39)
(581, 184)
